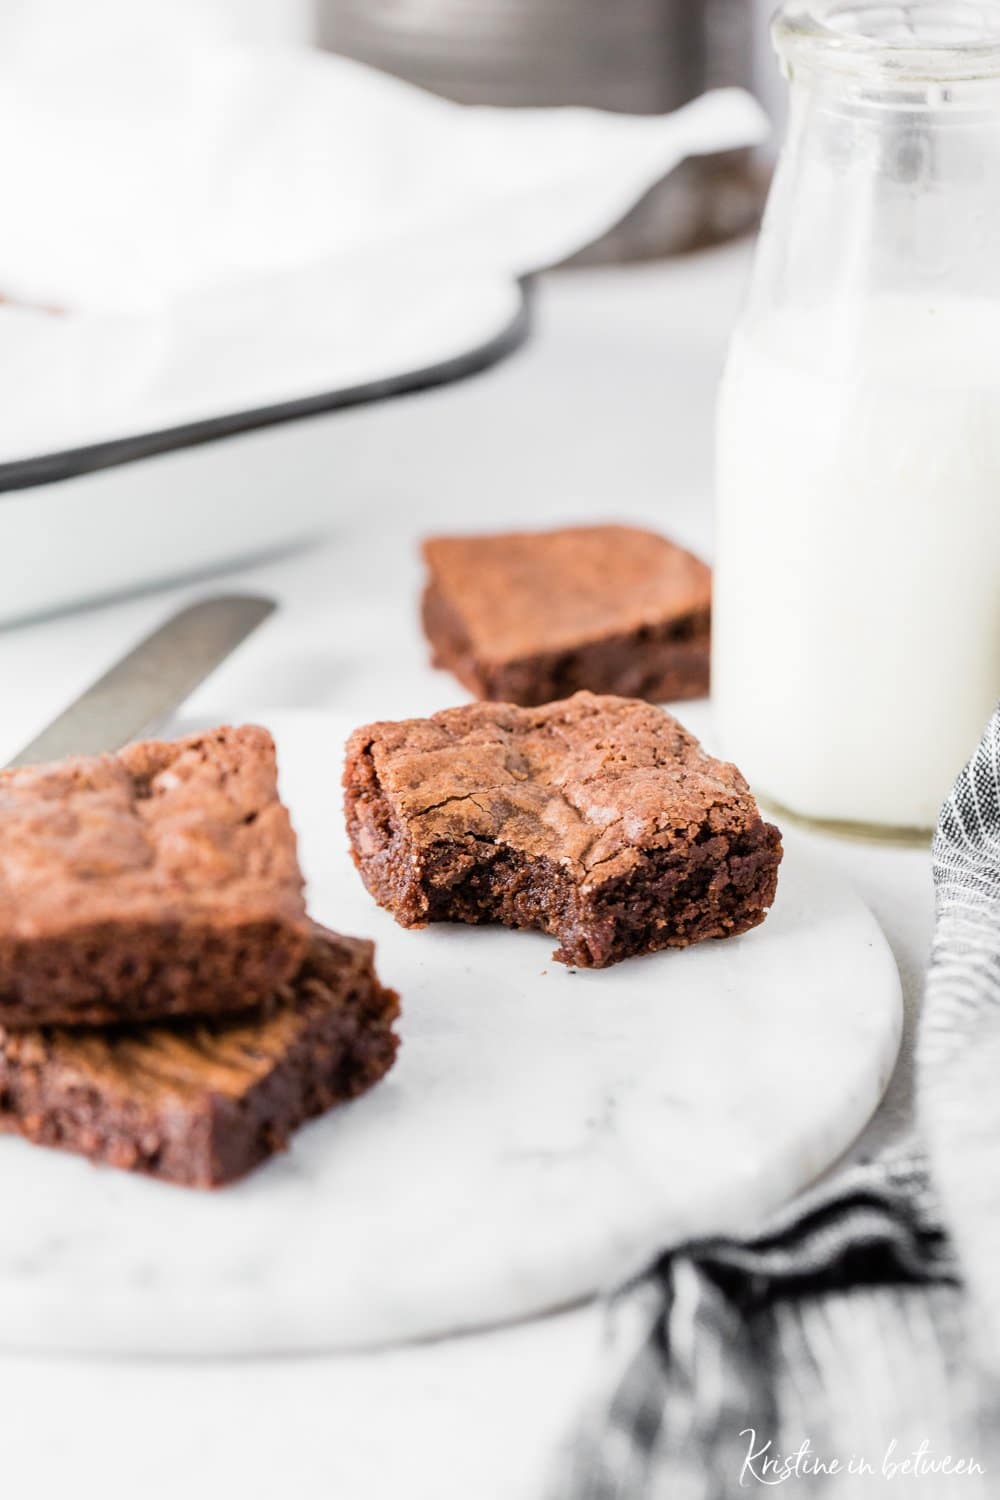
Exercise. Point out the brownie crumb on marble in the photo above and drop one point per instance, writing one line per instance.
(199, 1103)
(159, 881)
(527, 617)
(597, 819)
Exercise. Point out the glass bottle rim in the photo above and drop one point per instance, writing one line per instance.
(925, 41)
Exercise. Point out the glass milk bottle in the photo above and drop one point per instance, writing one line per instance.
(856, 654)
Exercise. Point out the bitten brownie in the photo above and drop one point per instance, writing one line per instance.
(159, 881)
(597, 819)
(202, 1102)
(529, 617)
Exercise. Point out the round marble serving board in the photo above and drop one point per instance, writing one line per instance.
(543, 1132)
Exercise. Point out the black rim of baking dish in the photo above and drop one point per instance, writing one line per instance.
(50, 468)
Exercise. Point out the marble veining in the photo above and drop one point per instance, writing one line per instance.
(543, 1133)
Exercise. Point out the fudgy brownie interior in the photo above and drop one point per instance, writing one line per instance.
(599, 820)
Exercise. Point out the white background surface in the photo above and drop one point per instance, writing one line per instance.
(608, 413)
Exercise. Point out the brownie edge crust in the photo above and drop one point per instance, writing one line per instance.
(200, 1103)
(599, 820)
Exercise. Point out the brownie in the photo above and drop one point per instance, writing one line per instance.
(202, 1102)
(532, 616)
(597, 819)
(159, 881)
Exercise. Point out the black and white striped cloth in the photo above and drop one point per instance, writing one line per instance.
(849, 1350)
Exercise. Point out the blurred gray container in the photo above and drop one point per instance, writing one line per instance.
(636, 56)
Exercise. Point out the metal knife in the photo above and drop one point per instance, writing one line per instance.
(139, 691)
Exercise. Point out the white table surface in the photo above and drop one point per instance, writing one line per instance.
(608, 413)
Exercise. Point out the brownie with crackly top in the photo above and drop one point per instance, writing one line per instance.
(597, 819)
(156, 882)
(527, 617)
(201, 1102)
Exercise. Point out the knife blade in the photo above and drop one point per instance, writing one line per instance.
(138, 692)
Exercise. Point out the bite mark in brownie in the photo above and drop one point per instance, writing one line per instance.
(200, 1103)
(528, 617)
(597, 819)
(156, 882)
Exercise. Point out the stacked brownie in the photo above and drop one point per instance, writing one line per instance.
(166, 1005)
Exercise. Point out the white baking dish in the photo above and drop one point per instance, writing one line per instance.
(117, 515)
(204, 247)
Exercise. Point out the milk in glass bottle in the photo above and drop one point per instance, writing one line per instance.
(856, 653)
